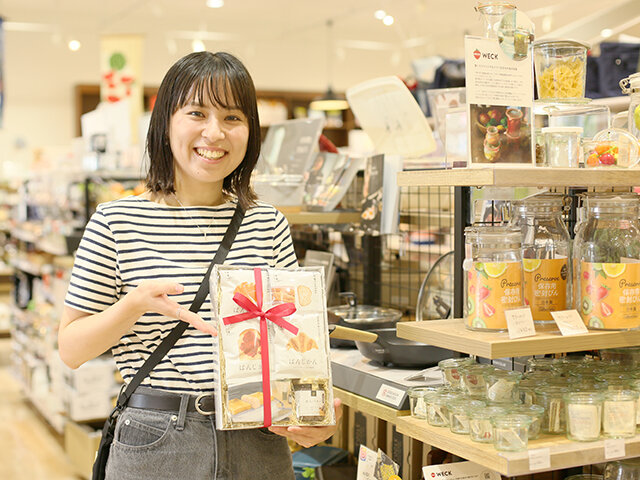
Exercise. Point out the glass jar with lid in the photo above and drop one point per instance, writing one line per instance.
(493, 276)
(619, 413)
(511, 432)
(480, 428)
(551, 398)
(472, 379)
(546, 254)
(584, 415)
(608, 253)
(459, 410)
(628, 469)
(536, 412)
(502, 386)
(451, 370)
(631, 87)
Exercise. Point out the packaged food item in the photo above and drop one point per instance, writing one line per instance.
(273, 347)
(584, 415)
(492, 275)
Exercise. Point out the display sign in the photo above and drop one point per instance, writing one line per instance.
(520, 323)
(499, 105)
(459, 471)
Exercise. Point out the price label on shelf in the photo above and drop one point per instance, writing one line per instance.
(520, 323)
(613, 448)
(539, 459)
(569, 322)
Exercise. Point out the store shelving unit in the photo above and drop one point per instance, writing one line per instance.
(320, 218)
(363, 404)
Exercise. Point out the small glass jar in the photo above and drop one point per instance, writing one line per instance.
(561, 69)
(628, 469)
(493, 276)
(511, 432)
(502, 386)
(635, 386)
(451, 369)
(585, 476)
(584, 415)
(625, 356)
(437, 409)
(459, 414)
(631, 86)
(480, 428)
(609, 274)
(540, 364)
(562, 146)
(615, 381)
(546, 258)
(586, 383)
(418, 402)
(619, 413)
(551, 398)
(536, 412)
(472, 379)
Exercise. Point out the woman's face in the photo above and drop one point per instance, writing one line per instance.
(208, 142)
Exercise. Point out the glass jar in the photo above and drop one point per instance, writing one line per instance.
(536, 412)
(626, 356)
(493, 276)
(561, 69)
(480, 428)
(615, 381)
(511, 432)
(539, 364)
(472, 379)
(417, 400)
(584, 415)
(492, 13)
(619, 413)
(451, 369)
(628, 469)
(551, 398)
(546, 253)
(585, 476)
(635, 386)
(608, 279)
(562, 146)
(502, 386)
(631, 86)
(459, 414)
(437, 410)
(611, 148)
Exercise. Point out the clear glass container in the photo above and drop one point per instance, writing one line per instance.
(437, 410)
(628, 469)
(631, 86)
(472, 378)
(551, 398)
(561, 69)
(480, 428)
(562, 146)
(608, 255)
(626, 356)
(546, 257)
(451, 370)
(492, 13)
(536, 412)
(585, 476)
(619, 413)
(611, 148)
(511, 432)
(540, 364)
(635, 386)
(418, 400)
(502, 386)
(615, 381)
(584, 415)
(459, 414)
(493, 276)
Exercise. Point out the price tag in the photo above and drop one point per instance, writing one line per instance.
(520, 323)
(569, 322)
(613, 448)
(539, 459)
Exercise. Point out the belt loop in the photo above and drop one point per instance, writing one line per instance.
(182, 414)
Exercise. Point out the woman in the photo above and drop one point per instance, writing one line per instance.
(142, 259)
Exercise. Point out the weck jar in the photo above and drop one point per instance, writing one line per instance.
(493, 276)
(584, 415)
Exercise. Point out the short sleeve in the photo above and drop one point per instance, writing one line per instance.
(283, 253)
(94, 283)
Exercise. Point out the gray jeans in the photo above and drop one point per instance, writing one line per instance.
(153, 444)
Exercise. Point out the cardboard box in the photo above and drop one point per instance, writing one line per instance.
(406, 452)
(81, 444)
(340, 438)
(365, 430)
(82, 407)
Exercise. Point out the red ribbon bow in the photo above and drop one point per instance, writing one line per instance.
(274, 314)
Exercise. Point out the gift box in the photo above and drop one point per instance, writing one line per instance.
(272, 347)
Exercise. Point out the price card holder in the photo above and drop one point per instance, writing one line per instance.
(614, 448)
(569, 322)
(539, 459)
(520, 323)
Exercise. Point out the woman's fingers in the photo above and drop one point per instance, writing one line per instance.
(194, 320)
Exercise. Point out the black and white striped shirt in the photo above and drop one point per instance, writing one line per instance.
(133, 239)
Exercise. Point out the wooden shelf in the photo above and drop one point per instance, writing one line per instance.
(325, 218)
(521, 177)
(563, 452)
(363, 404)
(453, 335)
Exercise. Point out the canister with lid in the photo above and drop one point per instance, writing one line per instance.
(584, 415)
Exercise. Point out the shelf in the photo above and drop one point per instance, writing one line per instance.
(563, 452)
(520, 177)
(363, 404)
(453, 335)
(316, 218)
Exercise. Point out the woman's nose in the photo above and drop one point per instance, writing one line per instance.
(212, 130)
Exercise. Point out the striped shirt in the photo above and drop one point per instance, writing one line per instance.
(133, 239)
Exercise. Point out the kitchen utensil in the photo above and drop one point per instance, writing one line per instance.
(353, 334)
(435, 298)
(390, 350)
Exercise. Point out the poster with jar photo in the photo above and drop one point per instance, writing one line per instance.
(499, 105)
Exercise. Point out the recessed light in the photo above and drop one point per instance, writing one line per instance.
(198, 45)
(74, 45)
(387, 20)
(380, 14)
(606, 33)
(215, 3)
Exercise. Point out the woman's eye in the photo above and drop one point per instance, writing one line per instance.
(234, 118)
(195, 113)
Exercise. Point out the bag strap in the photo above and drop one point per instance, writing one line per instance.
(170, 340)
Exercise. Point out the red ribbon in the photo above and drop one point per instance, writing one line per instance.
(274, 314)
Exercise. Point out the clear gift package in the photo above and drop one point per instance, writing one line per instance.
(273, 343)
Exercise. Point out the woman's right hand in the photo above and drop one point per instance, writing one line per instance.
(153, 296)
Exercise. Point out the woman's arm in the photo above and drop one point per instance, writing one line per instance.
(83, 336)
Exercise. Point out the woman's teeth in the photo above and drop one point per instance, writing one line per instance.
(211, 155)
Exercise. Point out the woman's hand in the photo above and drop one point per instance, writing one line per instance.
(153, 296)
(310, 436)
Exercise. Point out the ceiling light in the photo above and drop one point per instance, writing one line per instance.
(329, 101)
(215, 3)
(380, 14)
(387, 20)
(198, 45)
(74, 45)
(606, 33)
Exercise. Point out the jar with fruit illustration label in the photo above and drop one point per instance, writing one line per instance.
(546, 258)
(609, 270)
(493, 276)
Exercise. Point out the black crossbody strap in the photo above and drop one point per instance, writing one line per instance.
(170, 340)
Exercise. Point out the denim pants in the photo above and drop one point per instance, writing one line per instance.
(157, 445)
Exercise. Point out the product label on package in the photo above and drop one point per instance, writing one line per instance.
(610, 295)
(460, 471)
(492, 288)
(545, 286)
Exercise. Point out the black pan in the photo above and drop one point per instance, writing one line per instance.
(392, 351)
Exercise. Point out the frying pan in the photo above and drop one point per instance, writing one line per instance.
(390, 350)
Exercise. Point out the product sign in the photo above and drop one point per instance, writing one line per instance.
(459, 471)
(499, 105)
(545, 286)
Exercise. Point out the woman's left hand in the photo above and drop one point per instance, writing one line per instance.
(310, 436)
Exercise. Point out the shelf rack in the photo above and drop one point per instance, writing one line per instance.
(363, 404)
(297, 217)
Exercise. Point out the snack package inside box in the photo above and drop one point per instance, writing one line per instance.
(271, 346)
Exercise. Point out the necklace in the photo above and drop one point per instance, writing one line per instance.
(203, 232)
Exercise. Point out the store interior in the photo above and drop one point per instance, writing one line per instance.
(453, 206)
